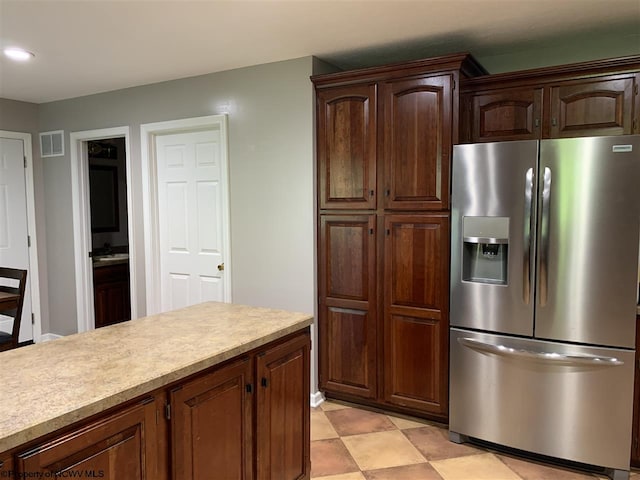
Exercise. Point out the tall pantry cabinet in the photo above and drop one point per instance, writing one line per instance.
(384, 141)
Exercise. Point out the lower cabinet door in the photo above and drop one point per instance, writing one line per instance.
(347, 320)
(6, 466)
(211, 428)
(416, 312)
(122, 445)
(283, 411)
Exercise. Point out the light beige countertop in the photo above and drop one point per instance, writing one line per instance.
(51, 385)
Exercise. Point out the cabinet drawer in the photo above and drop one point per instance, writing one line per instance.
(111, 273)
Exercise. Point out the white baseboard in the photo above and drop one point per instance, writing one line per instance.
(316, 399)
(46, 337)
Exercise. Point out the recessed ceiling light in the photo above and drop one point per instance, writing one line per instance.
(19, 54)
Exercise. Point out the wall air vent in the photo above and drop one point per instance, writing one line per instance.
(52, 144)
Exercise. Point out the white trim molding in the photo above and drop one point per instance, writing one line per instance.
(82, 222)
(47, 337)
(148, 133)
(34, 274)
(317, 399)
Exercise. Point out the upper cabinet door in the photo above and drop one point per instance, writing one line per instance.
(416, 142)
(583, 108)
(347, 147)
(508, 114)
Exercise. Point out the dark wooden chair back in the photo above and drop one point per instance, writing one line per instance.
(15, 313)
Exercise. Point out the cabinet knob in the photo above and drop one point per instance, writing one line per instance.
(221, 267)
(537, 122)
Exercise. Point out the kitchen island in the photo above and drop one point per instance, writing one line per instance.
(210, 388)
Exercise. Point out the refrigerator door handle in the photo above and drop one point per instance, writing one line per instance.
(526, 258)
(561, 358)
(544, 237)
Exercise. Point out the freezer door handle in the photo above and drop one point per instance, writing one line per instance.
(544, 237)
(559, 358)
(526, 258)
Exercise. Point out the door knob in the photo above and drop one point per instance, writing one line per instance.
(221, 267)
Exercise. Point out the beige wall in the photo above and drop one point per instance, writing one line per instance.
(569, 47)
(271, 178)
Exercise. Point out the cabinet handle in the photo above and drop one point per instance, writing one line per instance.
(371, 231)
(554, 122)
(264, 382)
(371, 193)
(249, 388)
(388, 192)
(388, 232)
(537, 122)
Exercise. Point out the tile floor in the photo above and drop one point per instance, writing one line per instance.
(349, 443)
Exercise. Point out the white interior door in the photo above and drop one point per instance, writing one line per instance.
(190, 218)
(14, 249)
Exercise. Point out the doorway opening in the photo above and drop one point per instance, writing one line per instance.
(109, 230)
(103, 232)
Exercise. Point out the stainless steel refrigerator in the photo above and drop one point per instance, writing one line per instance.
(544, 282)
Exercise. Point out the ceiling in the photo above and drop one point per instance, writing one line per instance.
(89, 46)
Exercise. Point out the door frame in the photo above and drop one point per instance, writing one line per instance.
(34, 273)
(148, 134)
(82, 222)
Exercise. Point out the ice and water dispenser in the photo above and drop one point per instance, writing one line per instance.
(485, 249)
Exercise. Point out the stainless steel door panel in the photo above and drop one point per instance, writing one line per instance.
(576, 410)
(495, 180)
(589, 214)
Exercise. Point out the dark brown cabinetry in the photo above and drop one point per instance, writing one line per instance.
(602, 106)
(282, 425)
(211, 424)
(506, 114)
(111, 297)
(588, 99)
(6, 466)
(122, 445)
(245, 419)
(635, 439)
(384, 149)
(347, 147)
(416, 298)
(348, 337)
(415, 143)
